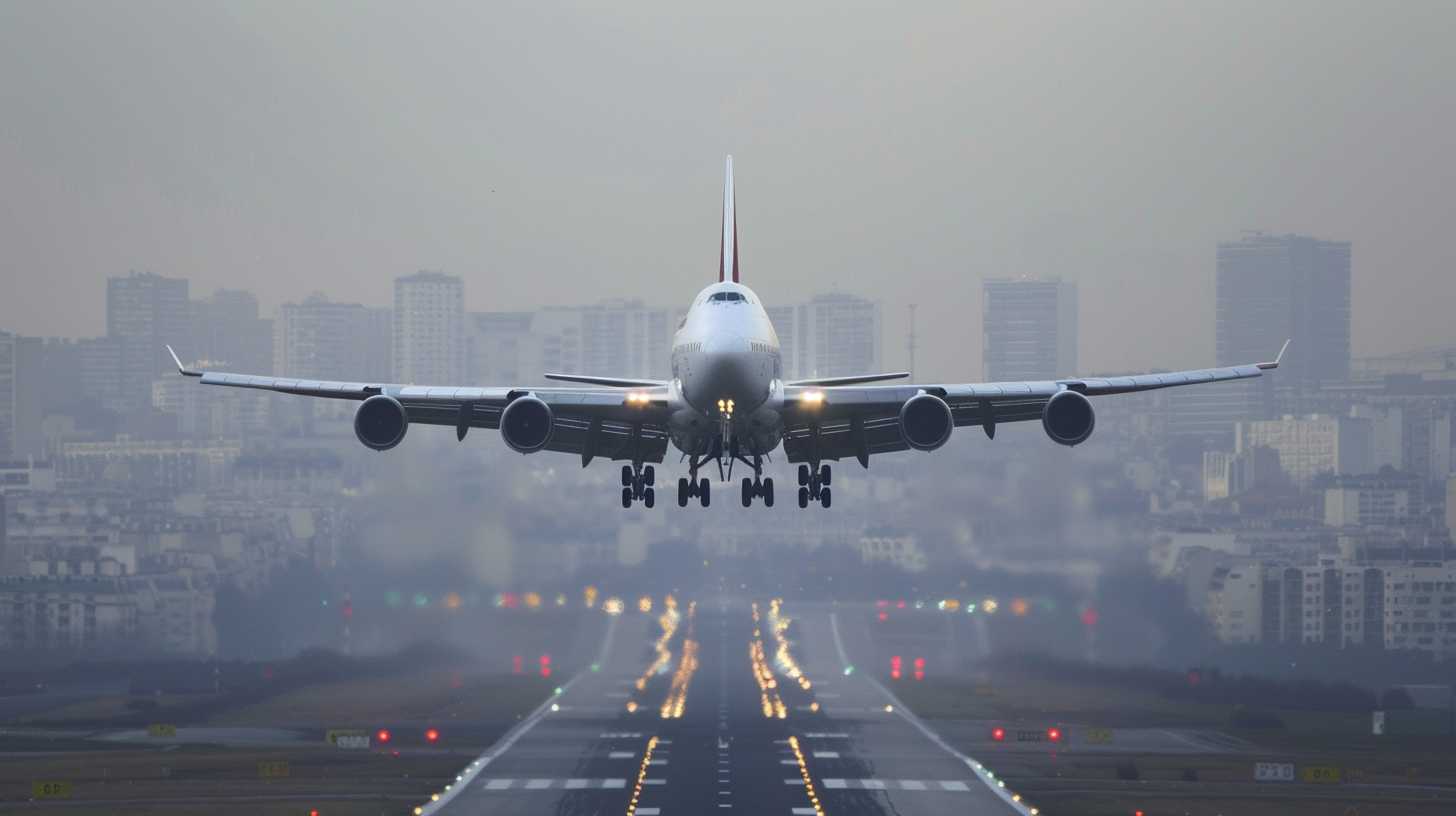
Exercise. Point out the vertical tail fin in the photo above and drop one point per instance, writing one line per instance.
(728, 248)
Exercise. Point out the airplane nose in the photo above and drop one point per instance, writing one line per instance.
(727, 345)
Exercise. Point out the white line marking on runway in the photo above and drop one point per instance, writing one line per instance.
(499, 784)
(649, 811)
(955, 786)
(537, 784)
(621, 755)
(654, 781)
(826, 755)
(614, 783)
(834, 783)
(821, 735)
(576, 784)
(912, 784)
(803, 811)
(656, 762)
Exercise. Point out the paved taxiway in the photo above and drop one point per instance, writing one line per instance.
(720, 725)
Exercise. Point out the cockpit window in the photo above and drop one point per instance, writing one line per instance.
(726, 297)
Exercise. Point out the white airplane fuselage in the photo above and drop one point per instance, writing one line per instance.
(726, 374)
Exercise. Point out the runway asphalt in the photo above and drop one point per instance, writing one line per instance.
(728, 717)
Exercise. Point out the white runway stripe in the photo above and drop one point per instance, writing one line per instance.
(552, 784)
(947, 785)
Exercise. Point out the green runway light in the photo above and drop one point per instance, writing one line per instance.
(558, 690)
(596, 667)
(848, 670)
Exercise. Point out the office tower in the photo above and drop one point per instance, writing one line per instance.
(830, 335)
(229, 334)
(7, 394)
(429, 329)
(144, 313)
(320, 339)
(1029, 329)
(1273, 288)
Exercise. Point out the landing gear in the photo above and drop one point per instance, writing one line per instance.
(755, 488)
(814, 485)
(689, 488)
(637, 484)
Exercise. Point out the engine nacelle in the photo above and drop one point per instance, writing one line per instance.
(380, 422)
(526, 424)
(1068, 418)
(926, 422)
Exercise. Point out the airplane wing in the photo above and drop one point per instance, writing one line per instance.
(846, 422)
(612, 423)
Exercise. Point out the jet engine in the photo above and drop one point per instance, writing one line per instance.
(380, 422)
(925, 422)
(526, 424)
(1068, 418)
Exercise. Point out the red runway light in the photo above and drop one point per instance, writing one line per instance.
(998, 734)
(895, 667)
(432, 735)
(382, 735)
(516, 664)
(1054, 734)
(884, 617)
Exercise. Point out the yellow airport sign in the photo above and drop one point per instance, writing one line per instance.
(1320, 774)
(50, 789)
(273, 769)
(166, 730)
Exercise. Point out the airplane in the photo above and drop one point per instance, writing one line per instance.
(727, 402)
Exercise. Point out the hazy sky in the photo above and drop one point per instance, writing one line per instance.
(560, 153)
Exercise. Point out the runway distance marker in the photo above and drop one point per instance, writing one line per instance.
(50, 789)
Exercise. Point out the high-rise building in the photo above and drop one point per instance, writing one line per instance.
(1272, 288)
(1029, 329)
(144, 313)
(7, 394)
(429, 329)
(831, 335)
(229, 334)
(622, 338)
(320, 339)
(1311, 445)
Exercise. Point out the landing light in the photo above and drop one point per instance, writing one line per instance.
(812, 397)
(638, 398)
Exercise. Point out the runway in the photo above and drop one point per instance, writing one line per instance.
(724, 707)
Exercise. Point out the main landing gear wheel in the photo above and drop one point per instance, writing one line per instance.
(748, 492)
(705, 495)
(814, 485)
(637, 484)
(768, 492)
(683, 492)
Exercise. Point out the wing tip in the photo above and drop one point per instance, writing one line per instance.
(1278, 358)
(182, 369)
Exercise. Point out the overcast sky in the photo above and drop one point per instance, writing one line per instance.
(556, 153)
